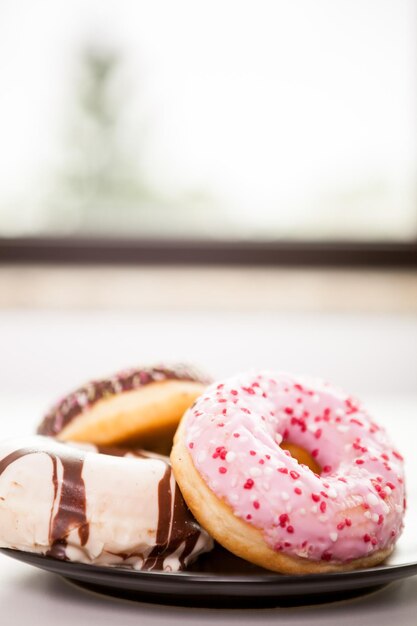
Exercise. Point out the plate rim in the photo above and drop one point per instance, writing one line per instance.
(210, 578)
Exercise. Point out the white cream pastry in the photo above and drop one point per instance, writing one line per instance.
(84, 505)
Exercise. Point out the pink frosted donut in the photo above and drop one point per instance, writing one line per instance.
(261, 503)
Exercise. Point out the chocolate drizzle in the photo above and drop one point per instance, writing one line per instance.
(71, 509)
(175, 526)
(83, 398)
(71, 512)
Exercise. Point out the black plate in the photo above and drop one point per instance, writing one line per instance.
(221, 580)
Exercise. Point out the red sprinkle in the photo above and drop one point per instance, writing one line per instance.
(348, 521)
(249, 516)
(248, 484)
(327, 468)
(191, 445)
(288, 410)
(256, 504)
(294, 474)
(222, 470)
(283, 519)
(367, 538)
(283, 470)
(220, 452)
(326, 556)
(318, 433)
(233, 392)
(252, 452)
(315, 497)
(236, 435)
(315, 453)
(359, 461)
(323, 506)
(290, 529)
(298, 491)
(341, 526)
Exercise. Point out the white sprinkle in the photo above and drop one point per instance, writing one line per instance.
(333, 536)
(233, 481)
(302, 512)
(266, 486)
(268, 470)
(288, 508)
(243, 439)
(332, 493)
(252, 497)
(314, 508)
(375, 517)
(280, 465)
(388, 490)
(342, 428)
(368, 514)
(278, 438)
(348, 446)
(315, 398)
(234, 497)
(255, 471)
(339, 412)
(230, 456)
(398, 508)
(214, 484)
(372, 499)
(82, 399)
(323, 518)
(284, 495)
(201, 456)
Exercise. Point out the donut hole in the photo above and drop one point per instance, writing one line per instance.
(302, 456)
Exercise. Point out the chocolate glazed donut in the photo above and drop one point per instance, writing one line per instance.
(137, 407)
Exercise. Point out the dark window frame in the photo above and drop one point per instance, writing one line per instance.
(209, 252)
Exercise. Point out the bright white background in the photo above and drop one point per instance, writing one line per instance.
(294, 118)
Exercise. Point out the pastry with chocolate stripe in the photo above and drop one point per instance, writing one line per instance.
(101, 507)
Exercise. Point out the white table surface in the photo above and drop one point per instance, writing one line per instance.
(44, 354)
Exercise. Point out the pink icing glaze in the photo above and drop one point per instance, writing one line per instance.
(354, 508)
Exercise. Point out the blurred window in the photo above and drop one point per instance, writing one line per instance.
(228, 119)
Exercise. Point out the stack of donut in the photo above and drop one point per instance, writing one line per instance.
(74, 493)
(288, 473)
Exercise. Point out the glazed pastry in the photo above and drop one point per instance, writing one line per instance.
(137, 406)
(80, 505)
(237, 459)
